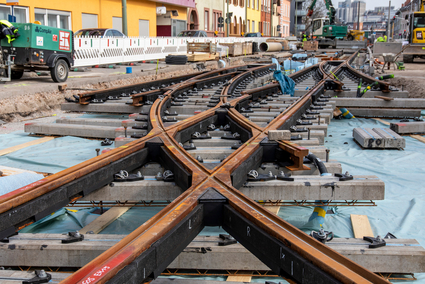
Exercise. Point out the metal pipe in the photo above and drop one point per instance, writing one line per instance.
(388, 22)
(270, 46)
(124, 17)
(227, 18)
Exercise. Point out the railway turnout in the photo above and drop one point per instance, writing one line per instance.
(208, 133)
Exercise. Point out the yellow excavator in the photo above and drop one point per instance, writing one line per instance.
(416, 36)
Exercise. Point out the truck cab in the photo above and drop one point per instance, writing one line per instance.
(318, 25)
(418, 28)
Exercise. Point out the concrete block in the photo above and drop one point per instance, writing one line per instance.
(380, 103)
(380, 48)
(276, 135)
(408, 127)
(391, 139)
(108, 107)
(383, 138)
(367, 138)
(385, 112)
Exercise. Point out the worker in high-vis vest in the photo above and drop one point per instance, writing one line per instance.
(7, 30)
(385, 38)
(380, 39)
(304, 38)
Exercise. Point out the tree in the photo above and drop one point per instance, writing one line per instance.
(319, 11)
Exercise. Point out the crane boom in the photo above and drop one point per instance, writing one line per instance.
(329, 7)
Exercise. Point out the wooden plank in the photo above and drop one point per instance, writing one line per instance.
(273, 209)
(25, 145)
(361, 226)
(201, 57)
(418, 137)
(8, 171)
(239, 278)
(104, 220)
(381, 120)
(384, 98)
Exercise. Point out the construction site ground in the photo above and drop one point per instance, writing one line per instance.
(36, 98)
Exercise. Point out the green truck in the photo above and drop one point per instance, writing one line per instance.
(38, 48)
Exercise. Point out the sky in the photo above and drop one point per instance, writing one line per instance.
(371, 4)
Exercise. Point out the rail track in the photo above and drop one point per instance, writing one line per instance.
(206, 131)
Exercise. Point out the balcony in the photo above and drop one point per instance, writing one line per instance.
(181, 3)
(301, 12)
(301, 27)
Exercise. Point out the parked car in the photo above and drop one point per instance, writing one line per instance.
(253, 35)
(193, 33)
(99, 33)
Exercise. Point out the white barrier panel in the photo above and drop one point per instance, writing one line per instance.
(134, 49)
(111, 50)
(90, 51)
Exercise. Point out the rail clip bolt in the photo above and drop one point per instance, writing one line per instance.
(327, 155)
(125, 131)
(318, 119)
(97, 151)
(308, 129)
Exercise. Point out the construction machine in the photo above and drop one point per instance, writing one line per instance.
(325, 29)
(416, 35)
(37, 48)
(329, 33)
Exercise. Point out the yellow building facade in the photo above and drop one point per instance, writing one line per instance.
(253, 15)
(76, 14)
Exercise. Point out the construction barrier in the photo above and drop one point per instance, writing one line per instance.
(91, 51)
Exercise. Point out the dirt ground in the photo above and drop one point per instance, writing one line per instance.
(411, 79)
(30, 104)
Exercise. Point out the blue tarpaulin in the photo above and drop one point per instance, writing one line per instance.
(287, 85)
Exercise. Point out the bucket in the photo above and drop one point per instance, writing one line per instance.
(128, 70)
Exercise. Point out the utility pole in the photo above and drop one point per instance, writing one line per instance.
(124, 17)
(227, 19)
(388, 22)
(271, 18)
(296, 18)
(246, 16)
(358, 15)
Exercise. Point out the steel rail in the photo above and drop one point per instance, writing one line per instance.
(328, 260)
(140, 240)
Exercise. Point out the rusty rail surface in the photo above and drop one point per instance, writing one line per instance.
(139, 256)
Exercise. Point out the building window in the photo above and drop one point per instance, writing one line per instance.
(258, 5)
(248, 3)
(253, 26)
(52, 18)
(235, 2)
(90, 21)
(206, 19)
(21, 13)
(241, 3)
(248, 25)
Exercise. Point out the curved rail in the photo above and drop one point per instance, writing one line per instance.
(108, 264)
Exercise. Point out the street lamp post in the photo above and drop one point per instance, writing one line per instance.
(296, 18)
